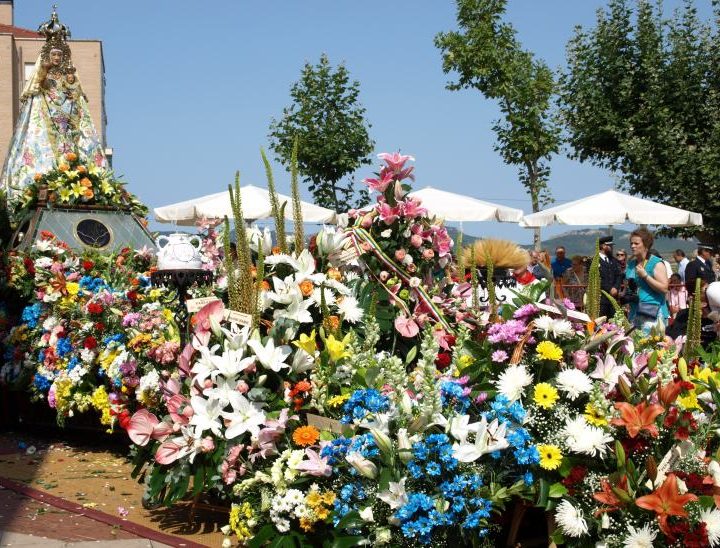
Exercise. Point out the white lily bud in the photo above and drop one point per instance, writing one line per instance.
(382, 440)
(404, 446)
(362, 465)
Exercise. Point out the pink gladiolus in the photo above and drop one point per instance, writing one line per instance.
(406, 326)
(201, 320)
(141, 427)
(316, 465)
(168, 452)
(380, 184)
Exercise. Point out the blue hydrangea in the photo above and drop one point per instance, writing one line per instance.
(93, 284)
(362, 403)
(63, 346)
(31, 315)
(454, 395)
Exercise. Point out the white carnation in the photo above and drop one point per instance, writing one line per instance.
(513, 381)
(574, 382)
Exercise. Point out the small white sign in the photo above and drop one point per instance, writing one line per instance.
(194, 305)
(325, 424)
(574, 314)
(239, 318)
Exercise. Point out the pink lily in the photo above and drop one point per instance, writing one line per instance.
(388, 214)
(396, 163)
(316, 465)
(411, 208)
(381, 183)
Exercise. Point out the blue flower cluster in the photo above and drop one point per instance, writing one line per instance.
(42, 383)
(465, 507)
(73, 363)
(63, 347)
(418, 517)
(336, 450)
(455, 395)
(31, 315)
(93, 284)
(432, 457)
(362, 403)
(119, 337)
(519, 438)
(347, 500)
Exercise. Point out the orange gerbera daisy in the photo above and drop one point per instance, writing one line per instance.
(306, 435)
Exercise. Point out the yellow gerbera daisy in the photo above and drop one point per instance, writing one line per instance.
(594, 416)
(545, 395)
(550, 457)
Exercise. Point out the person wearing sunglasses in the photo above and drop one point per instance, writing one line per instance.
(621, 256)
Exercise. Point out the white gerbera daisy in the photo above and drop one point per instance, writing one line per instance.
(512, 382)
(574, 382)
(571, 520)
(640, 537)
(711, 517)
(580, 437)
(350, 309)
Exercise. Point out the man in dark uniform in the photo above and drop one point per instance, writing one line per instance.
(701, 268)
(611, 275)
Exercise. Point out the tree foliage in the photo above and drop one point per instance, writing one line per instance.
(641, 96)
(333, 136)
(486, 55)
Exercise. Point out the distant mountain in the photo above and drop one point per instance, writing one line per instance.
(582, 242)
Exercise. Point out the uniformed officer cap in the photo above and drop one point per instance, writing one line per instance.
(606, 240)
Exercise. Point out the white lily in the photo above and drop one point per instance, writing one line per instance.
(271, 356)
(489, 438)
(245, 417)
(236, 337)
(230, 363)
(224, 387)
(206, 415)
(302, 361)
(297, 310)
(460, 426)
(395, 496)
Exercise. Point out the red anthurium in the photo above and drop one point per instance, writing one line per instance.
(638, 418)
(666, 501)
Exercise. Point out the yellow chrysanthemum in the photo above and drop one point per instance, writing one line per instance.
(550, 457)
(545, 395)
(548, 350)
(72, 288)
(594, 416)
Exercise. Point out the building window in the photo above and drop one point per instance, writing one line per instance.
(29, 70)
(93, 233)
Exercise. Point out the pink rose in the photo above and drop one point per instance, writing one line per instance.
(428, 254)
(384, 276)
(411, 268)
(400, 254)
(580, 360)
(207, 444)
(416, 240)
(242, 387)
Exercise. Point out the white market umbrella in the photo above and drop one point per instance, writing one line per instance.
(255, 205)
(456, 207)
(612, 208)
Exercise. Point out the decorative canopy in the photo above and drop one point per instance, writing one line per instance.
(456, 207)
(255, 205)
(612, 208)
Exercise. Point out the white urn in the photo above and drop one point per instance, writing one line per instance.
(179, 252)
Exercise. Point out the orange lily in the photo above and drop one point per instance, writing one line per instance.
(666, 502)
(608, 496)
(669, 392)
(638, 418)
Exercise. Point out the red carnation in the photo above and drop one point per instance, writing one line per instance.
(124, 419)
(99, 326)
(132, 296)
(95, 308)
(443, 360)
(29, 265)
(90, 342)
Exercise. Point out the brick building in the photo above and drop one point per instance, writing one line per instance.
(19, 49)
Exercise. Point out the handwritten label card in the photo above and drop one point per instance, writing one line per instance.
(194, 305)
(239, 318)
(325, 424)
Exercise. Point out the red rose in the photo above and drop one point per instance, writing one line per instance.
(95, 308)
(443, 360)
(99, 326)
(87, 265)
(90, 342)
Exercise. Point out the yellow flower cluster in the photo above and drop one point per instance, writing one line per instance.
(101, 402)
(548, 350)
(140, 340)
(319, 504)
(63, 395)
(336, 401)
(242, 520)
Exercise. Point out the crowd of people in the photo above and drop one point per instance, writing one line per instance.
(643, 282)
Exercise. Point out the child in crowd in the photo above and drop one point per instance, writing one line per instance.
(677, 295)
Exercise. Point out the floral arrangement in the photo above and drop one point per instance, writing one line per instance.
(73, 184)
(94, 335)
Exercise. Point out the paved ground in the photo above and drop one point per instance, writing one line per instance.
(28, 541)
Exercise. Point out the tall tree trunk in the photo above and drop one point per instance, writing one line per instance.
(535, 203)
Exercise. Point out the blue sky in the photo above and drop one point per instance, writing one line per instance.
(192, 87)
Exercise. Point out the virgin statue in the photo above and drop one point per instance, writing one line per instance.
(54, 117)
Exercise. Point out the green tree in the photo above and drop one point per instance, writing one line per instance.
(329, 123)
(486, 55)
(641, 96)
